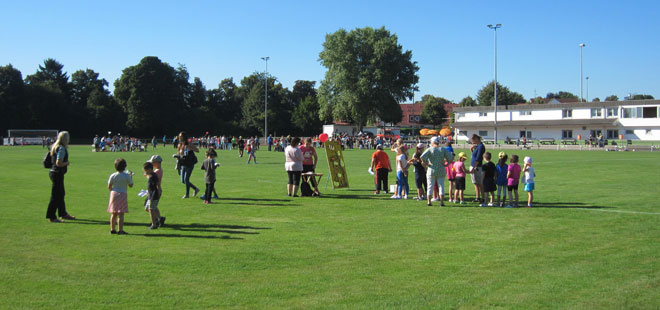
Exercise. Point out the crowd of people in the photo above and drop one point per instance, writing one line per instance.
(432, 165)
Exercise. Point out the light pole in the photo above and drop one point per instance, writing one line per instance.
(587, 88)
(581, 46)
(495, 84)
(266, 98)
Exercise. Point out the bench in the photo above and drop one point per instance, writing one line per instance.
(569, 141)
(547, 141)
(488, 141)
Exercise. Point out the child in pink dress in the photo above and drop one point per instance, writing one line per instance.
(513, 179)
(118, 184)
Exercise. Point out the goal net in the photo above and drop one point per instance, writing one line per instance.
(29, 136)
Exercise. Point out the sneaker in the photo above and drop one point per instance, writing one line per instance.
(121, 232)
(376, 193)
(393, 196)
(490, 204)
(196, 192)
(482, 204)
(113, 232)
(55, 220)
(434, 199)
(185, 197)
(462, 202)
(405, 197)
(161, 221)
(68, 217)
(216, 197)
(529, 206)
(397, 197)
(153, 227)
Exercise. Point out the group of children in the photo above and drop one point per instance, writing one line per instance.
(503, 178)
(119, 182)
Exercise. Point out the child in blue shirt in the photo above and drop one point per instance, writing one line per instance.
(502, 169)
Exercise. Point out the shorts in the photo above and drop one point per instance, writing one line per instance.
(460, 183)
(294, 177)
(151, 205)
(420, 181)
(477, 176)
(489, 186)
(512, 187)
(529, 187)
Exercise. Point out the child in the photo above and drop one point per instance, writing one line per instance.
(250, 150)
(451, 176)
(118, 205)
(156, 161)
(420, 172)
(459, 179)
(153, 195)
(402, 172)
(380, 165)
(502, 170)
(528, 180)
(209, 166)
(513, 178)
(490, 178)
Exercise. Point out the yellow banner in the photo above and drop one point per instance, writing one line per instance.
(336, 164)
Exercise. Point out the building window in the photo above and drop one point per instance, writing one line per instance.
(483, 133)
(462, 133)
(632, 112)
(650, 112)
(525, 113)
(411, 118)
(595, 133)
(612, 112)
(597, 112)
(483, 114)
(566, 113)
(525, 134)
(566, 134)
(416, 118)
(630, 132)
(612, 134)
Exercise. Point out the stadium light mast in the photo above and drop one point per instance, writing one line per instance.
(266, 97)
(495, 84)
(581, 79)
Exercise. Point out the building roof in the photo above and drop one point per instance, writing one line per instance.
(553, 106)
(558, 122)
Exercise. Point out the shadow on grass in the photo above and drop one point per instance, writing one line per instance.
(567, 205)
(257, 204)
(186, 236)
(193, 227)
(351, 196)
(253, 199)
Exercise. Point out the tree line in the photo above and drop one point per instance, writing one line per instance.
(152, 98)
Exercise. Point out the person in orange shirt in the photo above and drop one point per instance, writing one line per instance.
(380, 164)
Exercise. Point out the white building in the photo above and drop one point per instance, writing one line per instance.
(632, 119)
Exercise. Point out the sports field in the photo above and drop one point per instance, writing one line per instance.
(591, 242)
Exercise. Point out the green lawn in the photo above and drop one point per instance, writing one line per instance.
(592, 242)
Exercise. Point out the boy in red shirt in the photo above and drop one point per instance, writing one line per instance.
(380, 164)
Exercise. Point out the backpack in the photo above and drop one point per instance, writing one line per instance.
(305, 189)
(48, 160)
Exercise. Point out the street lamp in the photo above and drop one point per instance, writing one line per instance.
(581, 46)
(587, 88)
(266, 98)
(495, 84)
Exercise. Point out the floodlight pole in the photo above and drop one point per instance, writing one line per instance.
(495, 84)
(266, 98)
(581, 79)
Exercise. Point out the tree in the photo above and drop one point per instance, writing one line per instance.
(612, 98)
(368, 75)
(252, 105)
(151, 94)
(48, 98)
(467, 102)
(486, 96)
(642, 97)
(224, 105)
(302, 90)
(433, 111)
(11, 98)
(561, 95)
(596, 99)
(537, 100)
(92, 104)
(51, 72)
(305, 117)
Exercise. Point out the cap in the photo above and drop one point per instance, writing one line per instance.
(527, 160)
(435, 139)
(462, 155)
(155, 159)
(501, 155)
(420, 145)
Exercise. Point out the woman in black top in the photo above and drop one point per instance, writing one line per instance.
(187, 160)
(60, 161)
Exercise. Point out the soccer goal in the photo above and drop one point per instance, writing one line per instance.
(29, 136)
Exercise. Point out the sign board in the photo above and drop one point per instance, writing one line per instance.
(336, 164)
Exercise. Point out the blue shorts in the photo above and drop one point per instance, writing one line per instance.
(529, 187)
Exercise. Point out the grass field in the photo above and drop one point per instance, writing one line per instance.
(592, 241)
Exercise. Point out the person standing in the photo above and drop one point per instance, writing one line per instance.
(187, 160)
(294, 166)
(380, 165)
(476, 168)
(309, 163)
(60, 162)
(434, 159)
(270, 142)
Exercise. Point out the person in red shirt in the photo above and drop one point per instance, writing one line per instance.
(380, 164)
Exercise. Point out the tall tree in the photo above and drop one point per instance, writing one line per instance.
(486, 96)
(280, 106)
(467, 102)
(368, 75)
(151, 93)
(305, 117)
(51, 72)
(224, 103)
(12, 111)
(434, 111)
(48, 98)
(612, 98)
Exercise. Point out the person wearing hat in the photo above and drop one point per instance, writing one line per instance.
(434, 159)
(420, 171)
(476, 168)
(459, 179)
(380, 164)
(156, 162)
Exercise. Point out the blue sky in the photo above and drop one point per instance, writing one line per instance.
(538, 48)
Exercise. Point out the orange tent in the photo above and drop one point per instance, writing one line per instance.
(445, 131)
(424, 132)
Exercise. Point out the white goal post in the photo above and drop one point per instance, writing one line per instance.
(29, 136)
